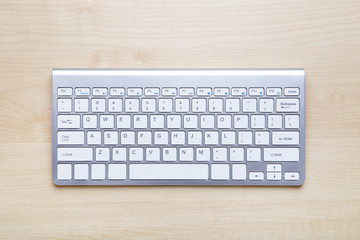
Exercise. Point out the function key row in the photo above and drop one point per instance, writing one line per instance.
(181, 91)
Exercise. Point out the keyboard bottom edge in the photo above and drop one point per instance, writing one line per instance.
(175, 183)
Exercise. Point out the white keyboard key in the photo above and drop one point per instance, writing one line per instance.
(81, 105)
(273, 176)
(117, 171)
(117, 91)
(152, 91)
(292, 176)
(169, 91)
(221, 91)
(173, 121)
(203, 91)
(238, 91)
(224, 121)
(89, 121)
(144, 138)
(203, 154)
(275, 121)
(100, 91)
(186, 154)
(64, 171)
(64, 91)
(81, 171)
(287, 105)
(98, 171)
(140, 121)
(165, 105)
(239, 171)
(161, 137)
(135, 91)
(292, 121)
(119, 154)
(64, 105)
(273, 91)
(266, 105)
(169, 171)
(256, 91)
(153, 154)
(187, 91)
(148, 105)
(82, 91)
(273, 167)
(169, 154)
(291, 91)
(262, 138)
(215, 105)
(115, 105)
(127, 137)
(106, 121)
(281, 154)
(257, 121)
(211, 137)
(236, 154)
(98, 105)
(241, 121)
(68, 121)
(111, 138)
(198, 104)
(102, 154)
(190, 121)
(245, 137)
(68, 138)
(228, 137)
(256, 176)
(93, 137)
(249, 105)
(207, 121)
(131, 105)
(219, 154)
(182, 105)
(136, 154)
(178, 137)
(220, 171)
(194, 137)
(285, 138)
(232, 105)
(123, 121)
(157, 121)
(253, 154)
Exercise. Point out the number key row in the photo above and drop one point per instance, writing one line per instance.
(166, 105)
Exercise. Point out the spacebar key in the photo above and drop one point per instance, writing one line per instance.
(169, 171)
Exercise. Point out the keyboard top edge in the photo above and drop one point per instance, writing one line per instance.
(177, 72)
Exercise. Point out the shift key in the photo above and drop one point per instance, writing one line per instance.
(74, 154)
(281, 154)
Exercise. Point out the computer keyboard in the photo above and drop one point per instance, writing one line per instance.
(178, 127)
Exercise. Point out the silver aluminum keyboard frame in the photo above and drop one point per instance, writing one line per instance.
(184, 78)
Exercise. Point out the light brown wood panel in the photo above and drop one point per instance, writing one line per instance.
(321, 36)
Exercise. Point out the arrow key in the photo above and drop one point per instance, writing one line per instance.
(275, 176)
(292, 176)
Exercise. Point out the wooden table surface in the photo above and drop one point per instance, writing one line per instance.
(321, 36)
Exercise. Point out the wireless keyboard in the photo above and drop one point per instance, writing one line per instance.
(178, 127)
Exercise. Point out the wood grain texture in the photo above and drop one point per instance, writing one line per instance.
(321, 36)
